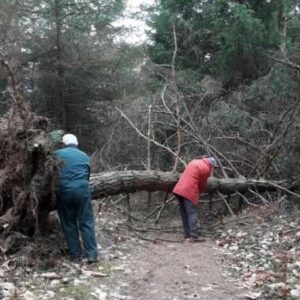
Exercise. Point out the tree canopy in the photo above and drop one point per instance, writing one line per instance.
(215, 77)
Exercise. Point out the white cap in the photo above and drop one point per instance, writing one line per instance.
(69, 138)
(212, 161)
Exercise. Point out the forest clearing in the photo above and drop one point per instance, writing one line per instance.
(155, 162)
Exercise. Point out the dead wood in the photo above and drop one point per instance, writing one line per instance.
(112, 183)
(27, 171)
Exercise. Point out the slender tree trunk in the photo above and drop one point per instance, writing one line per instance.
(149, 152)
(60, 71)
(282, 21)
(10, 34)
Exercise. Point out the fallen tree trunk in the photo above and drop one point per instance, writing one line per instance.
(112, 183)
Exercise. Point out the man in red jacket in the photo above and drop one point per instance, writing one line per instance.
(188, 190)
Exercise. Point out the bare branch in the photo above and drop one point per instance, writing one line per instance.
(152, 140)
(285, 62)
(226, 203)
(174, 51)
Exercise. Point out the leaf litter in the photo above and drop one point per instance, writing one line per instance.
(42, 270)
(261, 248)
(264, 250)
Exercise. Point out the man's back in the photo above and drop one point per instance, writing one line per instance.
(193, 180)
(75, 168)
(74, 200)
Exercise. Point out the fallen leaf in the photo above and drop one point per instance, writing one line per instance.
(29, 296)
(118, 268)
(207, 288)
(220, 243)
(98, 274)
(252, 295)
(50, 275)
(295, 293)
(283, 292)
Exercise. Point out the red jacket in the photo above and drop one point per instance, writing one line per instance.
(193, 180)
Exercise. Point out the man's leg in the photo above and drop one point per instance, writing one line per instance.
(68, 220)
(192, 218)
(87, 226)
(184, 217)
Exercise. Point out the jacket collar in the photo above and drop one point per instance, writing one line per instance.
(71, 145)
(207, 163)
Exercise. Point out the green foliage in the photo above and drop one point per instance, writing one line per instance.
(231, 118)
(74, 70)
(192, 22)
(293, 34)
(189, 81)
(225, 38)
(240, 35)
(56, 138)
(225, 89)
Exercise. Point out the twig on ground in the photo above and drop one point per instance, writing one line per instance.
(120, 200)
(157, 239)
(152, 212)
(227, 204)
(128, 207)
(161, 209)
(290, 230)
(247, 201)
(151, 229)
(126, 213)
(286, 190)
(264, 200)
(237, 219)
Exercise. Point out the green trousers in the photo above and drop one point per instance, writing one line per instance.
(76, 215)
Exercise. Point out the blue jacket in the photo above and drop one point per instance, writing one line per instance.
(75, 170)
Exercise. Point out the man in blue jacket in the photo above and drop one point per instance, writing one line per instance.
(74, 200)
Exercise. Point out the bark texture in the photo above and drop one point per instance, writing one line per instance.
(112, 183)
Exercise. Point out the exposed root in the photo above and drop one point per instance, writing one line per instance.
(28, 174)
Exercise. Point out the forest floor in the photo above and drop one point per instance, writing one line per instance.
(255, 255)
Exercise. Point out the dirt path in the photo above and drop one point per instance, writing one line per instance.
(162, 270)
(178, 271)
(130, 268)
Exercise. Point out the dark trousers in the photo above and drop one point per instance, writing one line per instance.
(189, 217)
(75, 213)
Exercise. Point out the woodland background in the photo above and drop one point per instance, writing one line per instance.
(214, 78)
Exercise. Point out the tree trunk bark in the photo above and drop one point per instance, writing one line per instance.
(60, 71)
(282, 27)
(112, 183)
